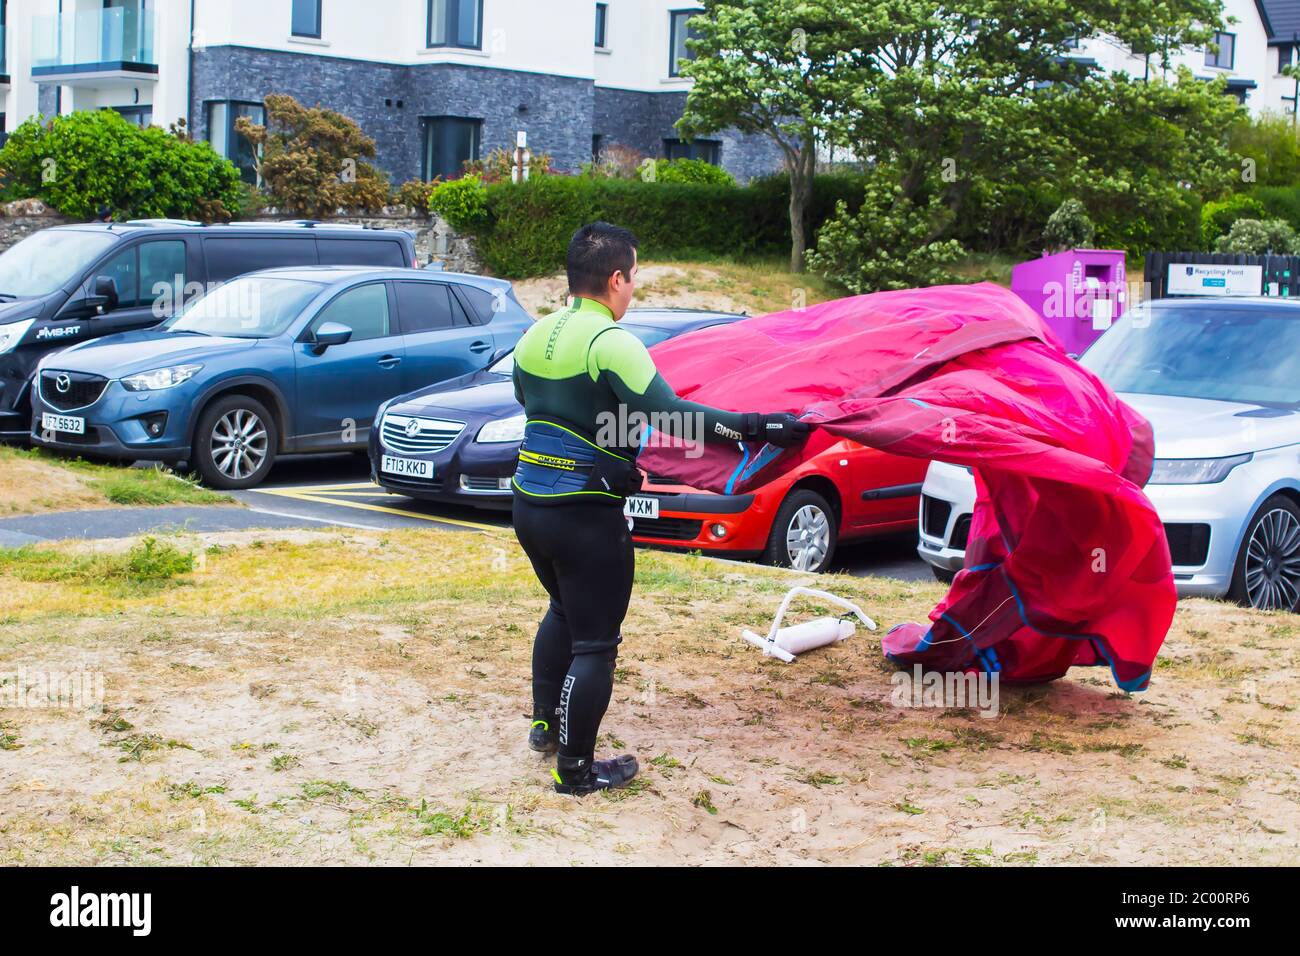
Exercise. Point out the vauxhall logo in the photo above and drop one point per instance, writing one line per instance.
(412, 428)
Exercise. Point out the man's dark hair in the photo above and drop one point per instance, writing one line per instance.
(596, 252)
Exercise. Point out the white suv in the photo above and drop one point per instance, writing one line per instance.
(1219, 380)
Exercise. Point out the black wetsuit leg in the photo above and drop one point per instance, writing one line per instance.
(583, 556)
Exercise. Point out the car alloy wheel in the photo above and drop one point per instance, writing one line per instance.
(239, 443)
(807, 538)
(1272, 561)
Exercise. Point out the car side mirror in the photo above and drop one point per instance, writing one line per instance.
(498, 355)
(103, 295)
(330, 333)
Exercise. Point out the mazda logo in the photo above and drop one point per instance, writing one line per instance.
(63, 383)
(412, 428)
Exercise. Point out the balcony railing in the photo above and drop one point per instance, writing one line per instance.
(94, 41)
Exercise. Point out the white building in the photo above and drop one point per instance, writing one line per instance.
(434, 82)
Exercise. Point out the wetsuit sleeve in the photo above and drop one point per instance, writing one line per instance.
(519, 390)
(621, 360)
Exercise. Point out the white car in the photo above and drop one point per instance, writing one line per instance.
(1219, 380)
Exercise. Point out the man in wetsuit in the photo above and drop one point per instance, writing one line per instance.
(573, 370)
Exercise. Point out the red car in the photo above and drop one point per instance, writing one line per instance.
(839, 491)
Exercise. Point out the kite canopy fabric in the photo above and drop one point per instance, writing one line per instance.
(1067, 562)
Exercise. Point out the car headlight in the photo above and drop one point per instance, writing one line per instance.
(12, 334)
(502, 430)
(160, 378)
(1194, 471)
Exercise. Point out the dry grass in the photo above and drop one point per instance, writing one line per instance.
(36, 481)
(321, 697)
(756, 287)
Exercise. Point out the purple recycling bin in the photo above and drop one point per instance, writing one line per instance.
(1079, 292)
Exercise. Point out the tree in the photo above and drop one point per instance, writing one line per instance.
(949, 97)
(312, 160)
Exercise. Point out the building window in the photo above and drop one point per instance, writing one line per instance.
(602, 23)
(1285, 54)
(449, 143)
(678, 34)
(709, 150)
(596, 141)
(306, 18)
(1226, 42)
(227, 142)
(141, 116)
(456, 23)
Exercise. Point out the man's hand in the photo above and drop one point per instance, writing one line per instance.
(782, 429)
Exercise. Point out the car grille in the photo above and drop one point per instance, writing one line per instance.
(934, 516)
(1189, 544)
(482, 483)
(433, 434)
(668, 529)
(81, 389)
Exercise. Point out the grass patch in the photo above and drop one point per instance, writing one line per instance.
(148, 563)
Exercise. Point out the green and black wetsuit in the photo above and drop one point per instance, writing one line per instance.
(581, 379)
(573, 371)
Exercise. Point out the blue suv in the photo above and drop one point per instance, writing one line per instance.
(288, 360)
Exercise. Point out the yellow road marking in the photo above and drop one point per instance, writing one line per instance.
(303, 495)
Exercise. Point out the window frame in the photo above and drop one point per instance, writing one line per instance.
(452, 19)
(428, 124)
(673, 16)
(394, 321)
(230, 132)
(1212, 59)
(602, 26)
(714, 146)
(292, 18)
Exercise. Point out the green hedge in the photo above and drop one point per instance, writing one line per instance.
(1280, 202)
(527, 228)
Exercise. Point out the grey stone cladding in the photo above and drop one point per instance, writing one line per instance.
(560, 114)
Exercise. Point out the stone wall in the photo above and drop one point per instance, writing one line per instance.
(21, 218)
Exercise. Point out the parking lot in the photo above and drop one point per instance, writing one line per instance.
(337, 490)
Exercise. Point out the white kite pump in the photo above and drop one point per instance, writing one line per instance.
(786, 642)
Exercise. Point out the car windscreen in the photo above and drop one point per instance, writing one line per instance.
(255, 307)
(1232, 354)
(49, 259)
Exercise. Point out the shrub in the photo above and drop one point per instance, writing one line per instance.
(94, 158)
(692, 171)
(527, 226)
(1280, 202)
(1069, 227)
(1256, 237)
(414, 194)
(462, 202)
(616, 161)
(498, 166)
(313, 159)
(1218, 216)
(889, 243)
(1271, 143)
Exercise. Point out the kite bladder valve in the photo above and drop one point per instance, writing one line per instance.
(786, 642)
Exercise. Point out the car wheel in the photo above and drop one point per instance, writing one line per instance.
(235, 443)
(943, 574)
(804, 533)
(1267, 574)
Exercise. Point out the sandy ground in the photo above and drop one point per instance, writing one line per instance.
(32, 487)
(323, 698)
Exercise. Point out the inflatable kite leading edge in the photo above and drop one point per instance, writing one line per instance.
(1067, 562)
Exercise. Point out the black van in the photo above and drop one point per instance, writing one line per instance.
(66, 284)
